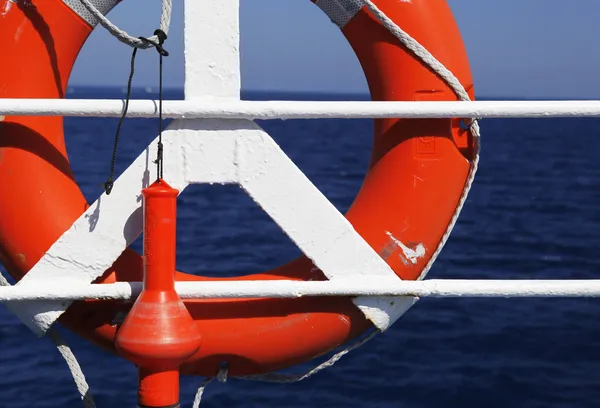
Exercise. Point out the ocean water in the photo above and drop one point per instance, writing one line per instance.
(534, 212)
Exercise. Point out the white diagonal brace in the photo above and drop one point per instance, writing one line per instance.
(313, 223)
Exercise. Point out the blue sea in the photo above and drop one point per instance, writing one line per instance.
(533, 213)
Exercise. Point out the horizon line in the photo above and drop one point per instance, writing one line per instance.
(335, 93)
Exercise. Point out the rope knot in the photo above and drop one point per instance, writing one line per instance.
(161, 35)
(158, 45)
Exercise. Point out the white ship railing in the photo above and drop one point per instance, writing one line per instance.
(212, 90)
(237, 109)
(297, 289)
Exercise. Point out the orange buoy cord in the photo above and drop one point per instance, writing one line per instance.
(159, 333)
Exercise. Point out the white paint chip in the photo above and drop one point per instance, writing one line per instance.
(412, 255)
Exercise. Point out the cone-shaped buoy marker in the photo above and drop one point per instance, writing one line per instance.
(159, 333)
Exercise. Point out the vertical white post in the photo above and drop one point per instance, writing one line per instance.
(211, 41)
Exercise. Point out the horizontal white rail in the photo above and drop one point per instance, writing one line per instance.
(295, 289)
(236, 109)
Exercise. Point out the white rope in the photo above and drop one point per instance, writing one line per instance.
(65, 351)
(222, 375)
(75, 368)
(121, 35)
(462, 94)
(289, 378)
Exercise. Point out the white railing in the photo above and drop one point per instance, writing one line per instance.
(297, 289)
(237, 109)
(212, 86)
(68, 280)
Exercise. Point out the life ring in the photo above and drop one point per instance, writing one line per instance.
(416, 176)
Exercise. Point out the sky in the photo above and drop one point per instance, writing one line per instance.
(516, 48)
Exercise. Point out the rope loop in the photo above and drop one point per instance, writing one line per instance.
(124, 37)
(161, 36)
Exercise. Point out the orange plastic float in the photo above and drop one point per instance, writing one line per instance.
(158, 334)
(417, 173)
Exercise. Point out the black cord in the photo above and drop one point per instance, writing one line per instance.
(161, 52)
(162, 36)
(110, 182)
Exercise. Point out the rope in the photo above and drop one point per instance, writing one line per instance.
(221, 377)
(222, 374)
(121, 35)
(159, 151)
(75, 368)
(108, 185)
(65, 351)
(461, 93)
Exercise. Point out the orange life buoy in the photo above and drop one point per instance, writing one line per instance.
(415, 179)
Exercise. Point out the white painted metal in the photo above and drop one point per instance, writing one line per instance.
(314, 224)
(229, 108)
(212, 151)
(359, 286)
(211, 43)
